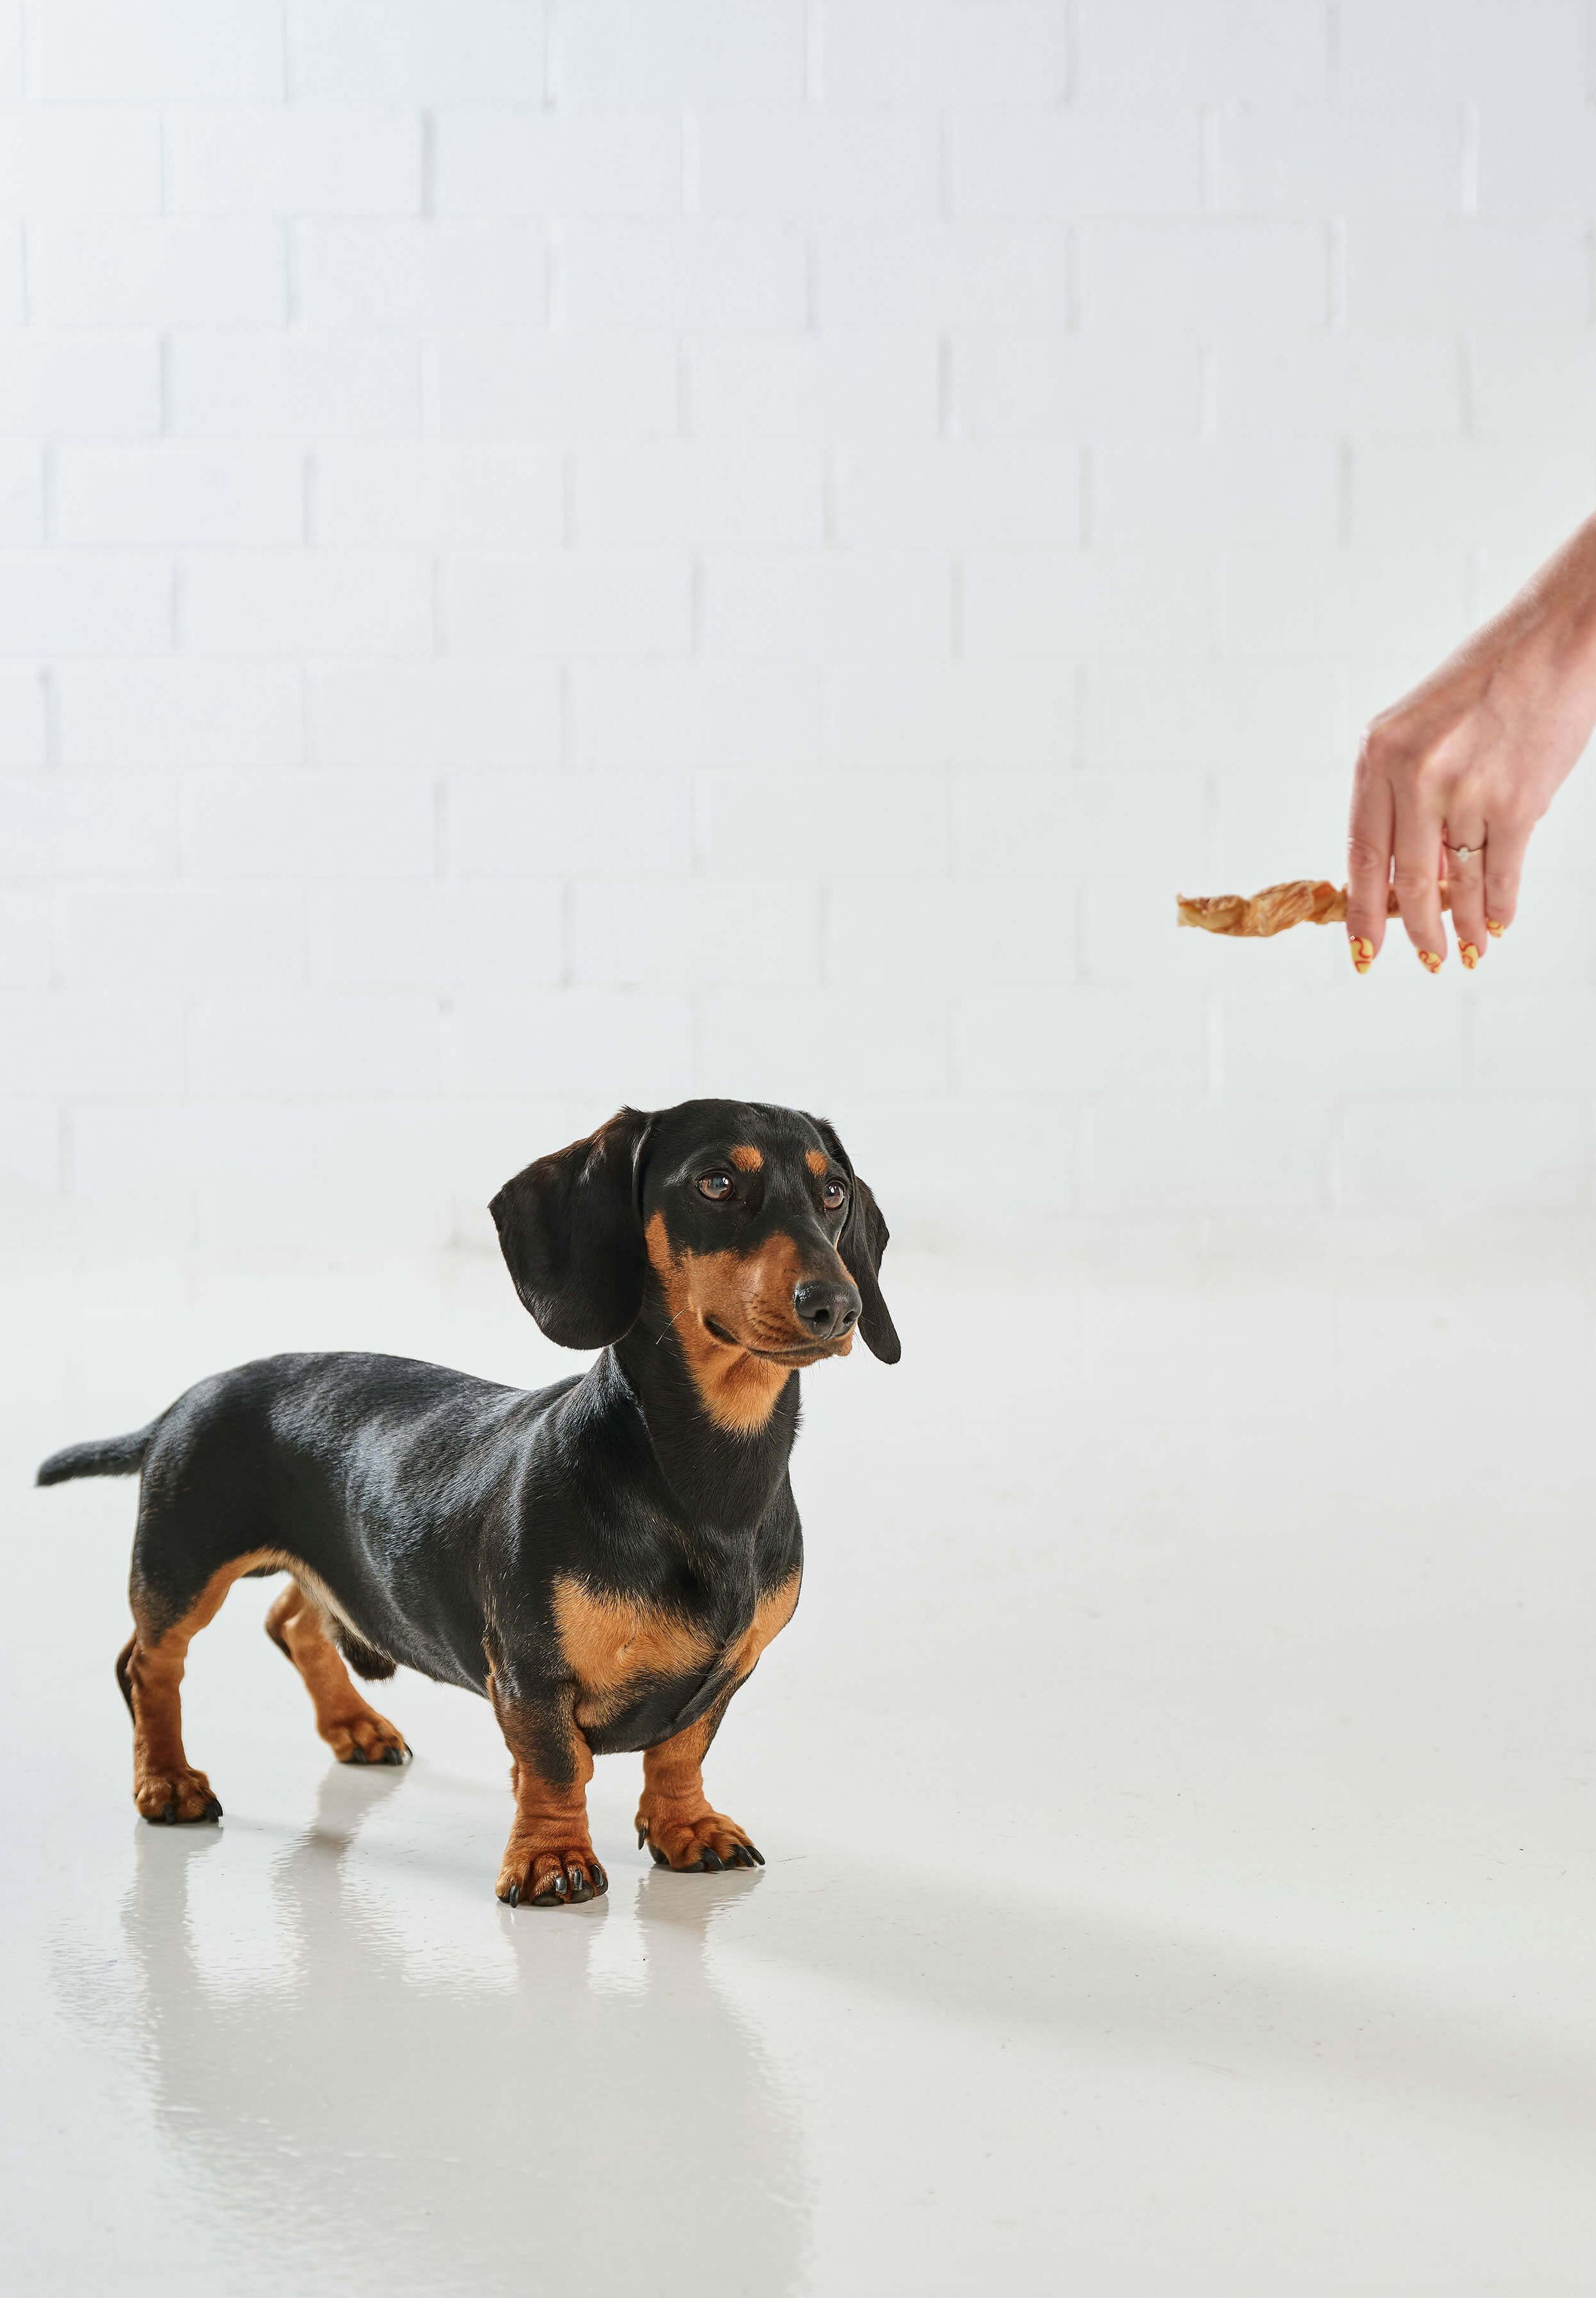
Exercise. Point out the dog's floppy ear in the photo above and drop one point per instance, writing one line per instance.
(570, 1227)
(863, 1242)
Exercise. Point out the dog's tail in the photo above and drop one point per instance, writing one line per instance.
(111, 1456)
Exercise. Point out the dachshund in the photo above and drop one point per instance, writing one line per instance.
(603, 1559)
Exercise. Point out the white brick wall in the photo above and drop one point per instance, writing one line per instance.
(562, 550)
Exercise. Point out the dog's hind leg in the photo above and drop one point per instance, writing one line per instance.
(166, 1786)
(351, 1726)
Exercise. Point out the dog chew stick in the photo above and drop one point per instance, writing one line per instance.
(1299, 901)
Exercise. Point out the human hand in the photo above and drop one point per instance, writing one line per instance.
(1471, 759)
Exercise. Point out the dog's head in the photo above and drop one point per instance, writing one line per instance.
(745, 1223)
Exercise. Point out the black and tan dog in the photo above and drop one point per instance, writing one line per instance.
(605, 1560)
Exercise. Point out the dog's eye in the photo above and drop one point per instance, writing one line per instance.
(834, 1196)
(715, 1185)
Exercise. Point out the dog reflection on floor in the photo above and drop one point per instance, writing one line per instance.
(379, 2132)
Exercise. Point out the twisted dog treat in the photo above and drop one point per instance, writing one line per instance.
(1310, 901)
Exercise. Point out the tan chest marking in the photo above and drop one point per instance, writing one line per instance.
(613, 1646)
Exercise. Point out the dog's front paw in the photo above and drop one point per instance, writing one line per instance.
(365, 1737)
(550, 1876)
(178, 1798)
(705, 1840)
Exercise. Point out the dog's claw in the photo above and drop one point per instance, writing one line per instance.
(642, 1837)
(357, 1753)
(659, 1858)
(212, 1808)
(392, 1756)
(170, 1816)
(600, 1880)
(712, 1861)
(512, 1897)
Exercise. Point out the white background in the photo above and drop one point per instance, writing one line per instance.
(556, 554)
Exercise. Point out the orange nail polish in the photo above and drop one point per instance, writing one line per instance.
(1493, 929)
(1428, 959)
(1469, 954)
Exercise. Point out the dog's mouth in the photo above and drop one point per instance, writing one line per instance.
(800, 1354)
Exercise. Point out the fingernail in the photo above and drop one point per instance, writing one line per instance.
(1430, 961)
(1362, 950)
(1361, 964)
(1493, 929)
(1469, 954)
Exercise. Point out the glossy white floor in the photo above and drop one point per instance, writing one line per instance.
(1178, 1786)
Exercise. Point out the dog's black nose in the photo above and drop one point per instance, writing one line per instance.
(828, 1310)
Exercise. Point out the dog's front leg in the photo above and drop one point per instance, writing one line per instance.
(548, 1860)
(675, 1818)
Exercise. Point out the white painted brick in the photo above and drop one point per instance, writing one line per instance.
(827, 603)
(1266, 491)
(26, 937)
(449, 497)
(1080, 1040)
(517, 384)
(1522, 495)
(1192, 1156)
(178, 495)
(419, 51)
(78, 386)
(1129, 162)
(930, 274)
(301, 158)
(1536, 157)
(1271, 50)
(847, 826)
(69, 1043)
(94, 161)
(1283, 820)
(21, 719)
(1128, 936)
(1536, 1040)
(495, 160)
(420, 275)
(671, 494)
(945, 933)
(589, 825)
(175, 936)
(618, 1045)
(307, 602)
(159, 51)
(1338, 1041)
(233, 386)
(948, 495)
(325, 1043)
(88, 825)
(1466, 275)
(22, 495)
(309, 825)
(1053, 826)
(30, 1143)
(1554, 933)
(764, 716)
(366, 935)
(811, 162)
(81, 606)
(708, 278)
(770, 1046)
(1395, 386)
(1534, 384)
(1203, 275)
(1464, 1154)
(618, 603)
(1268, 716)
(842, 385)
(11, 275)
(943, 52)
(1072, 386)
(129, 272)
(1297, 602)
(950, 714)
(671, 52)
(10, 52)
(1406, 51)
(434, 713)
(180, 714)
(1315, 161)
(1048, 602)
(698, 933)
